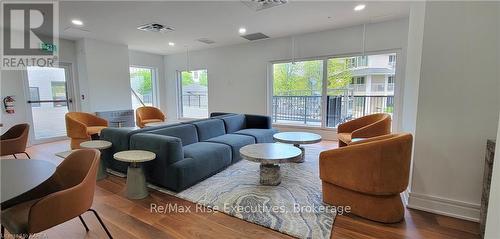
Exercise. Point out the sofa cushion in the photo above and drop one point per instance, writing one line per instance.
(213, 155)
(260, 135)
(186, 132)
(234, 123)
(209, 128)
(236, 141)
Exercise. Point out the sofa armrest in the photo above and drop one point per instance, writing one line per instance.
(258, 121)
(168, 149)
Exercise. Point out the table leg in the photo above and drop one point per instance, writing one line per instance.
(270, 174)
(101, 172)
(303, 155)
(136, 182)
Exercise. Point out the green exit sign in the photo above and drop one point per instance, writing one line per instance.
(48, 47)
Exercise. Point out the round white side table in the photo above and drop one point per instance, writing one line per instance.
(136, 181)
(100, 145)
(297, 138)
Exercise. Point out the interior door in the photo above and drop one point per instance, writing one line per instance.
(50, 94)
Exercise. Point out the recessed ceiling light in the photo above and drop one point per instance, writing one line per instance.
(77, 22)
(359, 7)
(242, 30)
(171, 44)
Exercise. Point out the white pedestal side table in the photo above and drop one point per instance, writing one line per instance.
(100, 145)
(136, 181)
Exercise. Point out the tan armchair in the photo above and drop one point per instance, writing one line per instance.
(148, 114)
(81, 126)
(368, 176)
(14, 140)
(64, 196)
(365, 127)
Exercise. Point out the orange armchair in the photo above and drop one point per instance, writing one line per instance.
(365, 127)
(81, 126)
(14, 140)
(148, 114)
(64, 196)
(368, 176)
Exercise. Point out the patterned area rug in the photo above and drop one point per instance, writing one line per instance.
(294, 207)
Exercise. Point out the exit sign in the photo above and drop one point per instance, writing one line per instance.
(48, 47)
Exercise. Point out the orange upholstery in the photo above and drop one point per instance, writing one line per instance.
(80, 126)
(365, 127)
(64, 196)
(368, 176)
(148, 114)
(14, 140)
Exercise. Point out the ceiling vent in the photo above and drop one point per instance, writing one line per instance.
(255, 36)
(206, 41)
(258, 5)
(155, 27)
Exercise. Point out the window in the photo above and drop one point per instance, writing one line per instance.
(59, 92)
(35, 96)
(297, 92)
(193, 94)
(351, 91)
(355, 62)
(143, 87)
(390, 79)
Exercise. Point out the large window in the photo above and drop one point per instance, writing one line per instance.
(354, 86)
(193, 94)
(142, 82)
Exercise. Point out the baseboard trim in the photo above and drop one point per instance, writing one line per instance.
(443, 206)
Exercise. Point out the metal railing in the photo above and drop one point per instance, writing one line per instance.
(341, 108)
(195, 100)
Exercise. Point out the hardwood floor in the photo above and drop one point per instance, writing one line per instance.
(133, 219)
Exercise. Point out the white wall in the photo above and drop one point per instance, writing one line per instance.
(237, 74)
(493, 219)
(457, 107)
(137, 58)
(12, 83)
(104, 75)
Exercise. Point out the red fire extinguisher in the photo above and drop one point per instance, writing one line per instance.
(8, 102)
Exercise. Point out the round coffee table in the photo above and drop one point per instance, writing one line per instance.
(136, 181)
(100, 145)
(270, 156)
(297, 138)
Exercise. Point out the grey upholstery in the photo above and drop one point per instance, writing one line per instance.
(209, 128)
(186, 132)
(120, 140)
(235, 141)
(189, 152)
(260, 135)
(234, 123)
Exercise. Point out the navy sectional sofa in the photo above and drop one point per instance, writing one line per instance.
(188, 152)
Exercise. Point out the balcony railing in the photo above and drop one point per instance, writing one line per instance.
(307, 109)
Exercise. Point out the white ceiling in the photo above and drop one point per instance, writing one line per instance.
(219, 21)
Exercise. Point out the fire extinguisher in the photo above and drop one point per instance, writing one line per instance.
(8, 102)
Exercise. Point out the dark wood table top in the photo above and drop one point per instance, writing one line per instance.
(21, 175)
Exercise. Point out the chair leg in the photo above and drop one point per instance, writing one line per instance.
(101, 222)
(3, 232)
(83, 222)
(27, 155)
(14, 156)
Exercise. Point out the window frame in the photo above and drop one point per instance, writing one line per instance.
(178, 81)
(154, 82)
(398, 87)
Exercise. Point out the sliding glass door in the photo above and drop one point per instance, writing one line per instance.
(304, 93)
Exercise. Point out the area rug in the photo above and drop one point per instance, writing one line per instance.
(294, 207)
